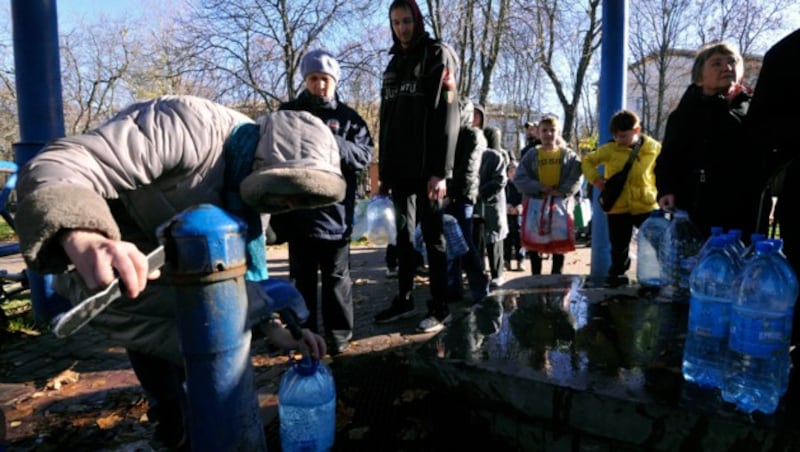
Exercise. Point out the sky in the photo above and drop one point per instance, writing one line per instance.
(75, 10)
(71, 12)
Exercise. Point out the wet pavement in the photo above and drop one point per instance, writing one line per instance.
(547, 364)
(555, 363)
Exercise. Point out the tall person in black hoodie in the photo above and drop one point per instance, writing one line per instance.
(419, 119)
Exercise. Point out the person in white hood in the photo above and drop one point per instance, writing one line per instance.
(94, 201)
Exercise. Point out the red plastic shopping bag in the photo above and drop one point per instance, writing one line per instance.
(548, 225)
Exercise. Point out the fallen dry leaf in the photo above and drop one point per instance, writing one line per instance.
(109, 421)
(64, 378)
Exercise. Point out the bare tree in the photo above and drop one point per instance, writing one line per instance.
(9, 130)
(465, 45)
(665, 34)
(519, 82)
(558, 26)
(493, 35)
(435, 17)
(95, 61)
(521, 56)
(256, 45)
(163, 69)
(743, 22)
(658, 28)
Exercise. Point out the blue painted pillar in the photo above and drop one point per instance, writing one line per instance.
(613, 67)
(40, 106)
(205, 249)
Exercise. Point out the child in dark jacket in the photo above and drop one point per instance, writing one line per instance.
(511, 244)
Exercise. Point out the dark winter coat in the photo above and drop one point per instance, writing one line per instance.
(333, 222)
(492, 195)
(513, 195)
(773, 118)
(706, 163)
(464, 184)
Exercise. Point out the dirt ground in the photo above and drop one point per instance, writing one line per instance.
(79, 393)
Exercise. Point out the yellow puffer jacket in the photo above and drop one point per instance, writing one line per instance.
(639, 194)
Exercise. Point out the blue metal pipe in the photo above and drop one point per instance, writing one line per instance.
(206, 261)
(40, 106)
(611, 99)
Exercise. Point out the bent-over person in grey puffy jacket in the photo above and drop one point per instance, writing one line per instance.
(94, 201)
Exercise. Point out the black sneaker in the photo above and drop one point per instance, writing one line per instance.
(613, 282)
(400, 309)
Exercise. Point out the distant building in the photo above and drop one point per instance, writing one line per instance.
(510, 124)
(678, 76)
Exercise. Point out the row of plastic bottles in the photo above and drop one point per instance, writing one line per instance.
(741, 305)
(666, 250)
(740, 320)
(669, 247)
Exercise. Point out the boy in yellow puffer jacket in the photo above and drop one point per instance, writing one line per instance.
(639, 195)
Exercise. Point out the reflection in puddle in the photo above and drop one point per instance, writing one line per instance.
(565, 333)
(539, 347)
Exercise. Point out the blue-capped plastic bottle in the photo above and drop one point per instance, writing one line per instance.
(758, 368)
(648, 268)
(709, 313)
(307, 407)
(679, 245)
(715, 232)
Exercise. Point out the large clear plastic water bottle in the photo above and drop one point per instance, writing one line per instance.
(734, 245)
(307, 407)
(679, 246)
(761, 328)
(715, 231)
(648, 268)
(750, 251)
(709, 313)
(381, 229)
(746, 256)
(777, 248)
(737, 242)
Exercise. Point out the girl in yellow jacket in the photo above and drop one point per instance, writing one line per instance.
(638, 197)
